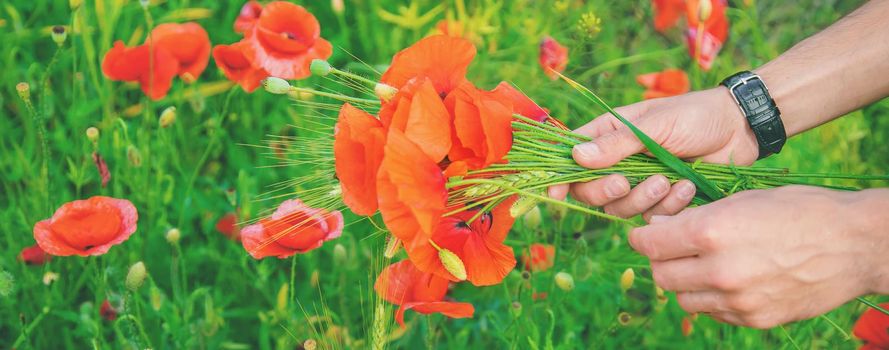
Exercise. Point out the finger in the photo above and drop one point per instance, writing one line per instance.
(726, 317)
(606, 123)
(678, 198)
(602, 191)
(701, 302)
(558, 192)
(682, 275)
(646, 195)
(664, 239)
(607, 149)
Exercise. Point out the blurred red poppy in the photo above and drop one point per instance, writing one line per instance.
(236, 67)
(102, 168)
(132, 64)
(669, 82)
(284, 41)
(411, 289)
(107, 311)
(450, 28)
(228, 226)
(187, 42)
(482, 133)
(358, 152)
(441, 58)
(293, 228)
(667, 13)
(687, 326)
(478, 244)
(706, 32)
(410, 189)
(247, 17)
(873, 328)
(553, 57)
(34, 255)
(521, 103)
(539, 257)
(87, 227)
(418, 111)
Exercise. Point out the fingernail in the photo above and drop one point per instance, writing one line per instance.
(660, 187)
(587, 151)
(615, 189)
(686, 191)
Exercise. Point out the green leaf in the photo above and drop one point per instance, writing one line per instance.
(708, 188)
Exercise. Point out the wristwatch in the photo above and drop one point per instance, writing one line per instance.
(752, 96)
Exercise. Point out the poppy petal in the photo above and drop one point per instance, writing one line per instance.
(441, 58)
(521, 103)
(285, 40)
(873, 328)
(247, 17)
(87, 227)
(447, 308)
(187, 42)
(231, 60)
(418, 111)
(482, 126)
(358, 151)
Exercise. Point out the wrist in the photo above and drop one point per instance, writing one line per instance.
(868, 211)
(746, 147)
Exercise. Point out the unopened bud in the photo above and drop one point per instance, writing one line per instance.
(59, 34)
(320, 67)
(533, 218)
(168, 116)
(564, 281)
(339, 254)
(136, 276)
(276, 86)
(156, 298)
(310, 344)
(134, 156)
(705, 8)
(314, 279)
(451, 262)
(624, 318)
(24, 91)
(49, 277)
(385, 91)
(92, 133)
(188, 78)
(526, 275)
(338, 6)
(626, 279)
(173, 235)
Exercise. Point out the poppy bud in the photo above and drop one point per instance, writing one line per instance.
(156, 298)
(526, 275)
(314, 279)
(188, 78)
(59, 34)
(626, 279)
(320, 67)
(564, 281)
(385, 91)
(624, 318)
(337, 6)
(310, 344)
(49, 277)
(276, 86)
(339, 254)
(134, 156)
(173, 235)
(533, 217)
(659, 296)
(136, 276)
(92, 134)
(705, 8)
(168, 116)
(452, 263)
(516, 309)
(7, 282)
(24, 91)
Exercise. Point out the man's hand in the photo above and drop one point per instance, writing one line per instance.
(767, 257)
(704, 125)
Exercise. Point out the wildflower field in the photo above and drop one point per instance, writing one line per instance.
(191, 174)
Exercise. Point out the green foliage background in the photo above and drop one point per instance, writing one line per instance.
(211, 294)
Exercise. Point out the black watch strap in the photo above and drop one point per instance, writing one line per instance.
(762, 113)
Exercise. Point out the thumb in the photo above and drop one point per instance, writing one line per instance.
(607, 149)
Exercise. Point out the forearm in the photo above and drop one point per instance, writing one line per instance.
(836, 71)
(871, 218)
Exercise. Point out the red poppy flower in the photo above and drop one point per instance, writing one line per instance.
(87, 227)
(873, 328)
(669, 82)
(236, 67)
(553, 57)
(709, 34)
(107, 311)
(667, 13)
(687, 326)
(284, 41)
(539, 257)
(293, 228)
(247, 17)
(411, 289)
(521, 104)
(132, 64)
(34, 255)
(418, 111)
(450, 28)
(410, 190)
(482, 133)
(187, 42)
(358, 152)
(228, 226)
(478, 244)
(441, 58)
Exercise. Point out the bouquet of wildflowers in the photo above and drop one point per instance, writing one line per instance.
(449, 166)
